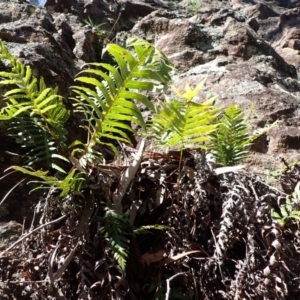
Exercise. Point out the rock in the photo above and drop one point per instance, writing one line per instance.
(9, 233)
(248, 50)
(59, 5)
(228, 48)
(260, 11)
(84, 48)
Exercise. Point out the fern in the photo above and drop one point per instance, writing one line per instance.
(106, 95)
(72, 183)
(117, 230)
(36, 114)
(231, 141)
(288, 210)
(184, 123)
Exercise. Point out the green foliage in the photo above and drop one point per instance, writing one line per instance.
(105, 96)
(110, 99)
(184, 123)
(273, 176)
(117, 230)
(145, 229)
(194, 7)
(36, 114)
(288, 210)
(101, 33)
(73, 182)
(230, 143)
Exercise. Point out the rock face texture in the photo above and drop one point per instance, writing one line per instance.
(249, 51)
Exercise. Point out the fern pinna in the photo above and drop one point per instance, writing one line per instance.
(107, 92)
(36, 114)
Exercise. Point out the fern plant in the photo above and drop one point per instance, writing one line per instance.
(107, 95)
(289, 210)
(72, 183)
(118, 231)
(101, 33)
(36, 113)
(230, 143)
(184, 123)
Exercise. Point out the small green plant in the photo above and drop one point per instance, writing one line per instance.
(273, 176)
(184, 123)
(288, 210)
(231, 143)
(194, 7)
(118, 231)
(101, 33)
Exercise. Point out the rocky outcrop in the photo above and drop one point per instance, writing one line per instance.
(248, 55)
(249, 51)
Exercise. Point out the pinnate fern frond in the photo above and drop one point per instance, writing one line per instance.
(36, 113)
(184, 123)
(74, 182)
(231, 141)
(108, 95)
(117, 230)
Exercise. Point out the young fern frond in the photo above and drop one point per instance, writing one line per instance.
(36, 114)
(106, 96)
(117, 230)
(231, 142)
(184, 123)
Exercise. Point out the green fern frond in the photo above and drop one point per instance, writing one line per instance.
(117, 230)
(230, 143)
(105, 96)
(36, 113)
(184, 123)
(73, 182)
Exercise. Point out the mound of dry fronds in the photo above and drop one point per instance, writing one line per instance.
(222, 242)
